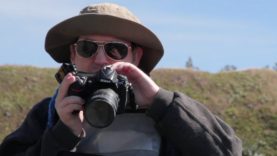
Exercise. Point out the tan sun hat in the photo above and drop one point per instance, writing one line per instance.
(104, 19)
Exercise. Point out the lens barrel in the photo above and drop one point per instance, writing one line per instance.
(101, 107)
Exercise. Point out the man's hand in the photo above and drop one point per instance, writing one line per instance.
(144, 87)
(70, 108)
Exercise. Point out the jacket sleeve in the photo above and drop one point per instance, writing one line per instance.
(191, 128)
(33, 138)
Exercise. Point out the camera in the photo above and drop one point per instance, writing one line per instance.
(106, 93)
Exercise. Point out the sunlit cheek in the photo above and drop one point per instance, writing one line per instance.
(130, 58)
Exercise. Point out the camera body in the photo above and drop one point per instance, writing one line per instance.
(106, 93)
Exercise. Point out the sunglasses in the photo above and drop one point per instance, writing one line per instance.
(114, 50)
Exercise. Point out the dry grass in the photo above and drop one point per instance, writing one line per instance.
(247, 100)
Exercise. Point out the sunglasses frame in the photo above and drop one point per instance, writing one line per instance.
(102, 44)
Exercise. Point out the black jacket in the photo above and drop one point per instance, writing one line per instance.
(187, 128)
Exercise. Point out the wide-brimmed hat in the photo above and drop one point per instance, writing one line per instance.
(104, 19)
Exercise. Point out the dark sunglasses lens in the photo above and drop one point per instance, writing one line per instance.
(86, 48)
(116, 51)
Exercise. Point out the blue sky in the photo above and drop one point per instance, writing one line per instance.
(214, 33)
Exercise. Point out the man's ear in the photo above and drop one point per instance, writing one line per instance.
(138, 52)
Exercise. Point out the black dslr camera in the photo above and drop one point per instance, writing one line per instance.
(106, 93)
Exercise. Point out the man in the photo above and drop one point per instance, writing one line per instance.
(173, 124)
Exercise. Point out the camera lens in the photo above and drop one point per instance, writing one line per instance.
(101, 107)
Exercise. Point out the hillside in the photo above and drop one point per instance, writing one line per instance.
(247, 100)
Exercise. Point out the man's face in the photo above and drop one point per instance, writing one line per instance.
(102, 57)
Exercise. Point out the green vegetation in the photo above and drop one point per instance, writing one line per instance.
(21, 87)
(247, 100)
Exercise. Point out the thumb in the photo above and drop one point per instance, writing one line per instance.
(67, 81)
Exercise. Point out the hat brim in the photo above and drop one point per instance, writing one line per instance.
(67, 32)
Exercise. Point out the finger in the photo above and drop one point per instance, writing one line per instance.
(70, 108)
(67, 81)
(127, 69)
(69, 100)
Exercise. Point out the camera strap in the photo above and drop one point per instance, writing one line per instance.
(52, 114)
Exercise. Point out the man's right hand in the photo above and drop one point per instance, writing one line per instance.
(70, 108)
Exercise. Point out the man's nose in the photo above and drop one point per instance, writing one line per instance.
(100, 56)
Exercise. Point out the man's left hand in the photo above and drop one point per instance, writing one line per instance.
(144, 87)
